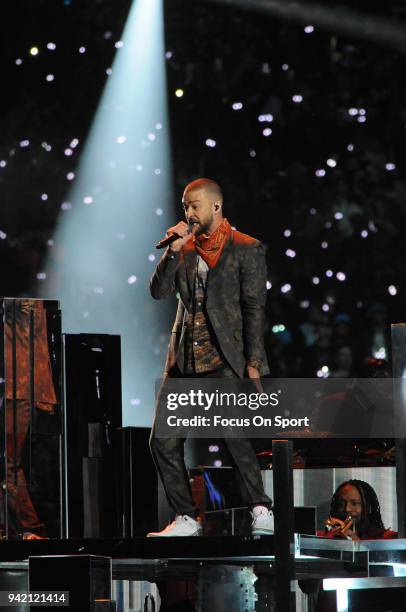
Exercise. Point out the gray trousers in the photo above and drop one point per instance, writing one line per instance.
(168, 455)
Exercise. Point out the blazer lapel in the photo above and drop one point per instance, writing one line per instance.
(190, 257)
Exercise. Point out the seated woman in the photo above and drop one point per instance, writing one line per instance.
(355, 514)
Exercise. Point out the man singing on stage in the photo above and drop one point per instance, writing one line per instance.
(220, 276)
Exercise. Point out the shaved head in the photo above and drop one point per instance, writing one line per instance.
(207, 185)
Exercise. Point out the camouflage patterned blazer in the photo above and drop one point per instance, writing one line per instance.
(235, 300)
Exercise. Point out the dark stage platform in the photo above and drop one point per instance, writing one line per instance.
(247, 562)
(145, 556)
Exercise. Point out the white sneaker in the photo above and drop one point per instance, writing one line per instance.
(183, 525)
(262, 521)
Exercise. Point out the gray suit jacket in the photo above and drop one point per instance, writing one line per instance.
(235, 300)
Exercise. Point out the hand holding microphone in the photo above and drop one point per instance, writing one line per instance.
(176, 237)
(341, 526)
(338, 524)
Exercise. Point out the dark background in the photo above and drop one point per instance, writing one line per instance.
(219, 56)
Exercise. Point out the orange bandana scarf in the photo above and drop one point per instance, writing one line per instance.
(210, 247)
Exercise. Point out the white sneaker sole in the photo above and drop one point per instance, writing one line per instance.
(262, 531)
(172, 535)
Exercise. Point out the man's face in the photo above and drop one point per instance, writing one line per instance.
(198, 205)
(349, 502)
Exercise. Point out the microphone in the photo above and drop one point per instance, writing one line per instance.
(167, 241)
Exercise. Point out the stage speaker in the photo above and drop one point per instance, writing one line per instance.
(92, 416)
(87, 579)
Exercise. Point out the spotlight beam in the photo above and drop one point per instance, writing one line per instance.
(120, 206)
